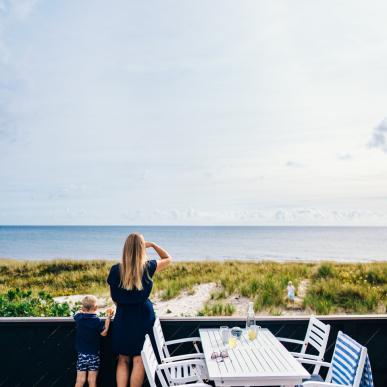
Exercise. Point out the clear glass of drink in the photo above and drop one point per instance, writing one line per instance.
(252, 332)
(232, 342)
(224, 334)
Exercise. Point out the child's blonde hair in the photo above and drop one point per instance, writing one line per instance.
(290, 283)
(89, 303)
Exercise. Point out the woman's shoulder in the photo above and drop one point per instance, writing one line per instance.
(151, 266)
(114, 273)
(115, 268)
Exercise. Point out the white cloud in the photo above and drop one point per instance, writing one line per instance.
(275, 217)
(195, 117)
(379, 136)
(344, 156)
(12, 11)
(294, 164)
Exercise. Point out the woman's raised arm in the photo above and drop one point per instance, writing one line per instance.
(165, 258)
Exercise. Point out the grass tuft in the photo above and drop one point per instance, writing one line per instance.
(217, 309)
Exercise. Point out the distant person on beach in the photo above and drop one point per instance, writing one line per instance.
(130, 286)
(89, 329)
(291, 292)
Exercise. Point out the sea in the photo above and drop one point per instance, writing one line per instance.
(197, 243)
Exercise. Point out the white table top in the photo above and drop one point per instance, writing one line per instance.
(261, 362)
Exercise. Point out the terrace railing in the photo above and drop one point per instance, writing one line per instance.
(39, 352)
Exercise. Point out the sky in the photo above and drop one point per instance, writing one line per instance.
(193, 112)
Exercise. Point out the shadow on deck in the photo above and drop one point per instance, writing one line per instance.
(39, 352)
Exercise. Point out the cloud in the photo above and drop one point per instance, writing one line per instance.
(274, 217)
(107, 108)
(379, 137)
(12, 13)
(67, 191)
(7, 130)
(17, 9)
(344, 156)
(294, 164)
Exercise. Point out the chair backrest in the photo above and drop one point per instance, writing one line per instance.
(316, 336)
(150, 363)
(160, 340)
(347, 361)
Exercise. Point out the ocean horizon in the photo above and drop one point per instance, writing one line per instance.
(187, 243)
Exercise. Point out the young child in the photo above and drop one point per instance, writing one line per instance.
(89, 329)
(291, 292)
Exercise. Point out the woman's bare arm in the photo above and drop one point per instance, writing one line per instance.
(165, 258)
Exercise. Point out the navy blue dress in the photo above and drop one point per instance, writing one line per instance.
(134, 315)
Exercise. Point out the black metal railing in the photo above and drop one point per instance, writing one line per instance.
(39, 352)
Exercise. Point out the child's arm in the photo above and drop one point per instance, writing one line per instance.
(106, 326)
(105, 330)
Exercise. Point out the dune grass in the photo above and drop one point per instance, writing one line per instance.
(57, 277)
(217, 309)
(333, 287)
(359, 288)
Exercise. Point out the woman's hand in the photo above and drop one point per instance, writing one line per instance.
(149, 244)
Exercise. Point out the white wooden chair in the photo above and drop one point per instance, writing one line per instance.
(346, 368)
(316, 336)
(162, 345)
(184, 371)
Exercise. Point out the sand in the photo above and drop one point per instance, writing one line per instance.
(190, 303)
(187, 304)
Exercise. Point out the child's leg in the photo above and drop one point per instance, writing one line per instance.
(92, 378)
(81, 378)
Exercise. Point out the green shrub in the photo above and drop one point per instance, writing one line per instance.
(19, 303)
(318, 303)
(333, 295)
(374, 277)
(325, 270)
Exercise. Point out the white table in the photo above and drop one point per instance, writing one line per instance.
(261, 362)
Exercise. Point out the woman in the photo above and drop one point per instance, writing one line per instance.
(130, 286)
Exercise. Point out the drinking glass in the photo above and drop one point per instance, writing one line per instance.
(224, 334)
(252, 332)
(236, 332)
(232, 341)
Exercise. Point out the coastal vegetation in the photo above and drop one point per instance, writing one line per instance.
(28, 287)
(23, 303)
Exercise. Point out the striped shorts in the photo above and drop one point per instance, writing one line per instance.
(87, 362)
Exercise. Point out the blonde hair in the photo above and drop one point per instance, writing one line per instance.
(89, 303)
(133, 262)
